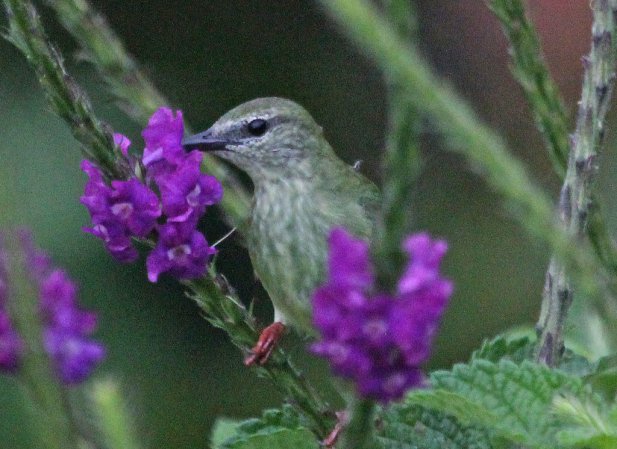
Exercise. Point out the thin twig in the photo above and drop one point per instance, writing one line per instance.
(575, 195)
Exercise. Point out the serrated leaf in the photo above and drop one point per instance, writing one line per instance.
(518, 397)
(502, 347)
(276, 429)
(275, 439)
(465, 410)
(587, 423)
(411, 426)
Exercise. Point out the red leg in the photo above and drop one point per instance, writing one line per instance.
(341, 421)
(265, 345)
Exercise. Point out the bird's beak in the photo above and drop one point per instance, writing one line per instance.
(204, 141)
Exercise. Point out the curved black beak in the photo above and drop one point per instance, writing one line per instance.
(204, 141)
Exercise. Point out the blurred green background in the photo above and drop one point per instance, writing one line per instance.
(178, 373)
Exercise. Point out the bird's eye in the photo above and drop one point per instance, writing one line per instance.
(257, 127)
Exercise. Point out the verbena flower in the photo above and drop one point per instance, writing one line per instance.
(181, 250)
(375, 339)
(126, 209)
(66, 327)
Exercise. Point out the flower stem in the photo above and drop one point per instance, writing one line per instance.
(483, 148)
(575, 195)
(531, 72)
(136, 94)
(360, 430)
(65, 96)
(402, 161)
(225, 311)
(114, 420)
(52, 419)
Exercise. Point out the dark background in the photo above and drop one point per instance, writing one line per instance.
(178, 373)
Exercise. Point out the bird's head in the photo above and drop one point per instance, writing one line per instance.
(266, 137)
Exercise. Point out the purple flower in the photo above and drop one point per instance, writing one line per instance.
(122, 142)
(181, 251)
(66, 327)
(185, 192)
(119, 212)
(117, 242)
(74, 355)
(377, 340)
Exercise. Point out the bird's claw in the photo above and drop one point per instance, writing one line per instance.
(265, 344)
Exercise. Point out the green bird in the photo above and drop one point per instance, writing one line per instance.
(301, 191)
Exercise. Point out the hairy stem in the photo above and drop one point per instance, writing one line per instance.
(135, 92)
(575, 195)
(65, 96)
(402, 161)
(530, 70)
(225, 311)
(465, 133)
(360, 430)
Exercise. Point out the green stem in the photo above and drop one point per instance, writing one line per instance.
(575, 196)
(529, 69)
(225, 311)
(359, 433)
(402, 162)
(114, 420)
(52, 419)
(136, 93)
(483, 148)
(65, 96)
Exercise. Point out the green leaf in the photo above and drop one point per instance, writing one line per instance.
(411, 426)
(604, 378)
(502, 347)
(224, 428)
(276, 429)
(516, 399)
(587, 423)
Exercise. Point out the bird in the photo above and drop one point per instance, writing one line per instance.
(302, 190)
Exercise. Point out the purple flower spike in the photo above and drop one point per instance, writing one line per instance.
(181, 251)
(379, 341)
(167, 198)
(66, 327)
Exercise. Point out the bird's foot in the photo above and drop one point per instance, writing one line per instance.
(342, 418)
(266, 343)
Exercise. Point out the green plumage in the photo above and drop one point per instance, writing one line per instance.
(302, 191)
